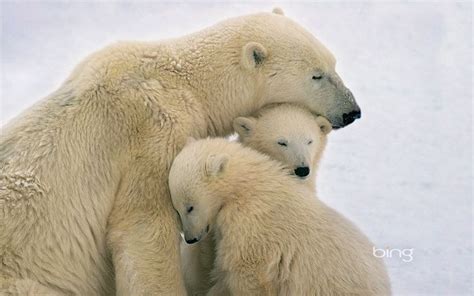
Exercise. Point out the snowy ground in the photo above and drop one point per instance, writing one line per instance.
(403, 173)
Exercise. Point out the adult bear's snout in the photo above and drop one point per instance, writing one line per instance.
(348, 118)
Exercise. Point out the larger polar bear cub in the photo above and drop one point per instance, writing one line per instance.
(85, 204)
(272, 236)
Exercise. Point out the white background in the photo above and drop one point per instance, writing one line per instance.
(403, 173)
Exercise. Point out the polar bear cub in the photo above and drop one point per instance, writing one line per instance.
(272, 236)
(290, 134)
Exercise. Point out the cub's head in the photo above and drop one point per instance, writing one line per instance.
(292, 66)
(287, 133)
(194, 183)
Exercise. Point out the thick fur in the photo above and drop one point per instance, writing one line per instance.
(84, 200)
(272, 236)
(305, 136)
(25, 288)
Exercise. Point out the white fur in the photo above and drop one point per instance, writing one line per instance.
(272, 237)
(85, 205)
(294, 124)
(303, 135)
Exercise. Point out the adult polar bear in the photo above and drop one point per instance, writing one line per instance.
(85, 205)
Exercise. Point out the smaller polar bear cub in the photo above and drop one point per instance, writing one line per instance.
(272, 236)
(290, 134)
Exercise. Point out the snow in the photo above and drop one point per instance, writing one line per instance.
(403, 173)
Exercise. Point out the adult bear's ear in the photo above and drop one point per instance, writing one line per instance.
(189, 140)
(278, 10)
(324, 125)
(244, 126)
(216, 164)
(253, 55)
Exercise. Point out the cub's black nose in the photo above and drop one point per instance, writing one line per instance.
(348, 118)
(192, 241)
(302, 171)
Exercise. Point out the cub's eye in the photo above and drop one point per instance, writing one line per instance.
(310, 142)
(190, 209)
(282, 143)
(317, 76)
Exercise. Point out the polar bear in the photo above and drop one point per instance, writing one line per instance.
(272, 236)
(290, 134)
(285, 132)
(84, 201)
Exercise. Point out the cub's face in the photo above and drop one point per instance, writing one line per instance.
(191, 181)
(289, 134)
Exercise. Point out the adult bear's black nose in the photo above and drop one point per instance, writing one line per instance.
(302, 171)
(192, 241)
(348, 118)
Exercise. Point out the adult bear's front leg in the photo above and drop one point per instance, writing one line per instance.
(143, 236)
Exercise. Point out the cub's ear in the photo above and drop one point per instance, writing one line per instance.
(189, 140)
(244, 126)
(324, 125)
(253, 55)
(278, 10)
(216, 164)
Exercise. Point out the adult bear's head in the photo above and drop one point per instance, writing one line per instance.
(291, 65)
